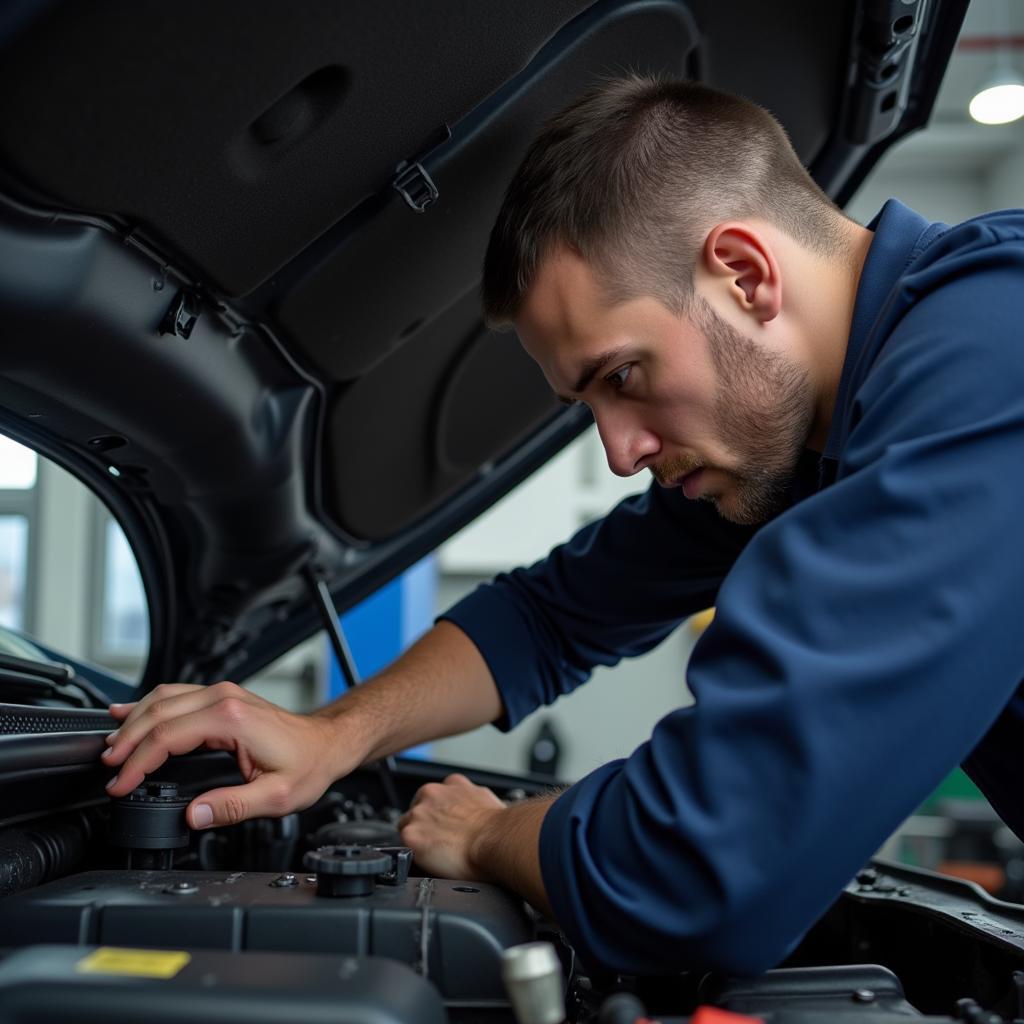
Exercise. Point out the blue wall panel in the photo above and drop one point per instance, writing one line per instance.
(386, 623)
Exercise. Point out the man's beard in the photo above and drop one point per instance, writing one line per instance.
(763, 412)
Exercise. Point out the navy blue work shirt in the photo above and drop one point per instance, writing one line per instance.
(866, 640)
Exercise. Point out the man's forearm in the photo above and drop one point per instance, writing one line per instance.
(440, 687)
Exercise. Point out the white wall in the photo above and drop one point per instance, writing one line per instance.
(948, 173)
(1004, 183)
(945, 196)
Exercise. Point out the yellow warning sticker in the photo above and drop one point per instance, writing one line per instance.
(137, 963)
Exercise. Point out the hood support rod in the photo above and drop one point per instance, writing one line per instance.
(321, 595)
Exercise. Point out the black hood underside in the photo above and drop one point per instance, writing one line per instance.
(240, 251)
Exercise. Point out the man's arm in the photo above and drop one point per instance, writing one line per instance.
(440, 686)
(616, 589)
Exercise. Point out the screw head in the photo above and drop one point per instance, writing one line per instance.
(181, 889)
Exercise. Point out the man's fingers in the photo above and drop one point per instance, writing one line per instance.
(174, 736)
(121, 711)
(418, 796)
(163, 705)
(146, 716)
(127, 714)
(265, 796)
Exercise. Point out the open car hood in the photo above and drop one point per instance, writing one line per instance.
(240, 247)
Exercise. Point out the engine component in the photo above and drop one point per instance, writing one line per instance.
(372, 832)
(150, 823)
(46, 850)
(826, 991)
(118, 986)
(621, 1008)
(533, 978)
(346, 870)
(401, 865)
(259, 844)
(451, 932)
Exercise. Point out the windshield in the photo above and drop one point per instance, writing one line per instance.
(70, 590)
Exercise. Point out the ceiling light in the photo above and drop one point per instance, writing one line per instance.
(1000, 100)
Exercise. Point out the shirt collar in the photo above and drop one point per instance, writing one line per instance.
(900, 235)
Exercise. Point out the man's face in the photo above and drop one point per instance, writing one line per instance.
(692, 399)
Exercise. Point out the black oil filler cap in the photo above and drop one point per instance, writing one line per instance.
(151, 817)
(150, 824)
(346, 870)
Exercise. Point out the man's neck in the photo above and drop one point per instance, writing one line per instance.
(827, 313)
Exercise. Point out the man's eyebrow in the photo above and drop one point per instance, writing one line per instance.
(591, 368)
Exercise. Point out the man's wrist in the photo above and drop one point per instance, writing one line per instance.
(486, 841)
(505, 849)
(350, 737)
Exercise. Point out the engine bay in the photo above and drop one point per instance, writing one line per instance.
(115, 910)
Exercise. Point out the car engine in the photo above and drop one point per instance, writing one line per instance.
(113, 910)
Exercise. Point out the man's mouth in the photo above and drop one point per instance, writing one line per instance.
(692, 483)
(673, 472)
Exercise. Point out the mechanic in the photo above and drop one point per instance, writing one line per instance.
(834, 417)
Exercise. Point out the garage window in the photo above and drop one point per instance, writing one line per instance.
(17, 502)
(124, 624)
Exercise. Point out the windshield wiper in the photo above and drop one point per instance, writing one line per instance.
(31, 680)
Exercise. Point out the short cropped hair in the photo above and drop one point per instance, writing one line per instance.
(633, 175)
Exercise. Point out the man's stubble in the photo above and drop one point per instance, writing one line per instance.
(763, 412)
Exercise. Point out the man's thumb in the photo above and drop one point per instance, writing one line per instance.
(200, 815)
(232, 804)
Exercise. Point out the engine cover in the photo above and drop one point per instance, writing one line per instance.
(124, 986)
(451, 932)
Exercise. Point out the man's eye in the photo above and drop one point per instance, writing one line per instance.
(619, 377)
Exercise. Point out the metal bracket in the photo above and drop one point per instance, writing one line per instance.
(182, 315)
(415, 186)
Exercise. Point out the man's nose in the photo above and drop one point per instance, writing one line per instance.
(629, 446)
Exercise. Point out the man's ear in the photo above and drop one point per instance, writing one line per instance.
(740, 258)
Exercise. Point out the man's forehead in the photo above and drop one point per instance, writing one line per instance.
(571, 298)
(564, 294)
(574, 335)
(568, 308)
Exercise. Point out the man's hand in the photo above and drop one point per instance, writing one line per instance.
(287, 760)
(443, 823)
(457, 829)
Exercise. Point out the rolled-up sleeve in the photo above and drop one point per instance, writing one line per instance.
(864, 643)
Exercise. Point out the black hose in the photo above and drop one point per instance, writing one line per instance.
(35, 854)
